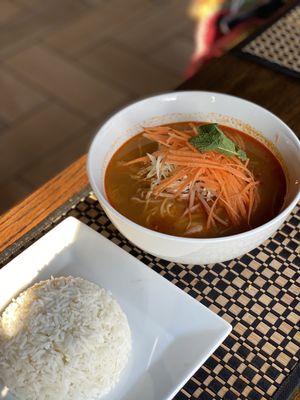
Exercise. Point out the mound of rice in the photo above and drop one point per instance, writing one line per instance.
(64, 338)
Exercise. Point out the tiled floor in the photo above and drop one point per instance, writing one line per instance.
(67, 64)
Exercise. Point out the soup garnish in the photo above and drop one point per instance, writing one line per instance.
(210, 137)
(195, 180)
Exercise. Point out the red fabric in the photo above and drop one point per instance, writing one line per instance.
(211, 28)
(215, 43)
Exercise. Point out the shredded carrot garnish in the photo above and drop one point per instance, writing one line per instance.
(223, 187)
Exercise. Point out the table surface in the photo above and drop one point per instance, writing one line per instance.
(228, 74)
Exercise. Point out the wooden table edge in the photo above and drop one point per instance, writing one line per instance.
(26, 215)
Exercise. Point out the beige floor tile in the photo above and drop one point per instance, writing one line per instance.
(13, 192)
(128, 5)
(129, 70)
(3, 126)
(94, 3)
(16, 97)
(188, 30)
(8, 9)
(90, 28)
(182, 7)
(31, 3)
(175, 55)
(29, 140)
(129, 45)
(35, 22)
(59, 159)
(162, 24)
(37, 5)
(65, 80)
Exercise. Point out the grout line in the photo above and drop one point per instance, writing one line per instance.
(14, 16)
(23, 181)
(16, 49)
(3, 127)
(26, 182)
(52, 99)
(29, 12)
(36, 109)
(106, 78)
(75, 60)
(177, 19)
(46, 154)
(19, 4)
(89, 5)
(49, 96)
(164, 42)
(120, 27)
(150, 61)
(96, 75)
(107, 39)
(63, 144)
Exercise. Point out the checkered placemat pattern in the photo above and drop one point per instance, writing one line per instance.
(257, 293)
(279, 45)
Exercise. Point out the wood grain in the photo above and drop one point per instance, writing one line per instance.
(26, 215)
(229, 74)
(296, 395)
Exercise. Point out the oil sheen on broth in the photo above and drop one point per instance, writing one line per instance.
(122, 188)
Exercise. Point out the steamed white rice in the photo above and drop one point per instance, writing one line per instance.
(64, 338)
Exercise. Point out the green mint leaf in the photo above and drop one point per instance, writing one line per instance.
(242, 155)
(211, 137)
(226, 146)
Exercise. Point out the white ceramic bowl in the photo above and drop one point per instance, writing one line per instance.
(194, 106)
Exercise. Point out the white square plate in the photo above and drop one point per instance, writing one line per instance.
(172, 333)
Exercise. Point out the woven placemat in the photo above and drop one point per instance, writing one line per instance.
(257, 294)
(278, 46)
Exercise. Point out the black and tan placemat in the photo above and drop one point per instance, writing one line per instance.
(277, 46)
(257, 293)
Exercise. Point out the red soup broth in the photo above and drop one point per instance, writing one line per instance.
(122, 187)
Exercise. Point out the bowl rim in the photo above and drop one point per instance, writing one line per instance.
(283, 213)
